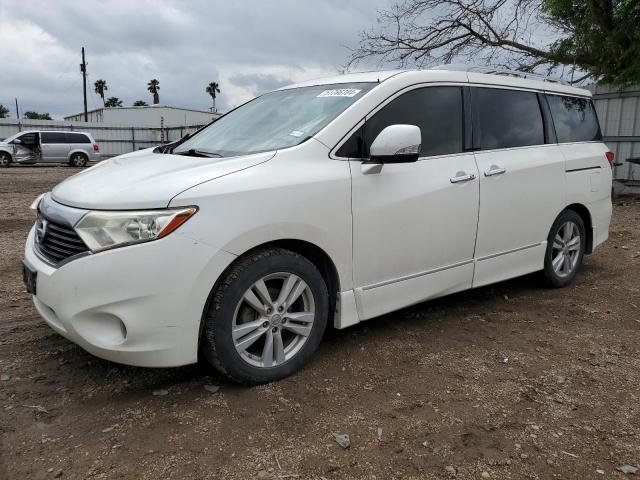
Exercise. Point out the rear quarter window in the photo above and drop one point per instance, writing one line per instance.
(574, 119)
(77, 138)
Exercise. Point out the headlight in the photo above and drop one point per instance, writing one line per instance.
(34, 205)
(102, 230)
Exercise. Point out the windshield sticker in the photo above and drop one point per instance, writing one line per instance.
(340, 92)
(296, 133)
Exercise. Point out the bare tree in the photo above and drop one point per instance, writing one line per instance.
(513, 34)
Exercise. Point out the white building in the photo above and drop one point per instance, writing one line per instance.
(150, 116)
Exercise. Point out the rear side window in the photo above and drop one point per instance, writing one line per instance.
(508, 118)
(574, 118)
(53, 137)
(436, 110)
(77, 138)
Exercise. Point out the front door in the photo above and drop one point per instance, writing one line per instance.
(522, 184)
(27, 148)
(414, 224)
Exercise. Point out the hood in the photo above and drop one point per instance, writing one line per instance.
(144, 179)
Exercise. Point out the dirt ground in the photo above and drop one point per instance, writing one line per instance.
(507, 381)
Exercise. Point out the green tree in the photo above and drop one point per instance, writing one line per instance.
(36, 116)
(100, 86)
(140, 103)
(4, 111)
(578, 39)
(213, 89)
(113, 102)
(154, 86)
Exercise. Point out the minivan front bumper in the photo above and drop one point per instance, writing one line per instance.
(138, 305)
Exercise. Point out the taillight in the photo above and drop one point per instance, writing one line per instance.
(96, 148)
(610, 157)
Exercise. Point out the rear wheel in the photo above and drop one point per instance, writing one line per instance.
(565, 249)
(266, 318)
(5, 159)
(78, 160)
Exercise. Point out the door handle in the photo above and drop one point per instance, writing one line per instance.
(462, 177)
(494, 170)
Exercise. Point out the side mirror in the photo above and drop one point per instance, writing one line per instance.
(17, 141)
(396, 144)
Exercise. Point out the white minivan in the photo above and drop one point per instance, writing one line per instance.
(330, 201)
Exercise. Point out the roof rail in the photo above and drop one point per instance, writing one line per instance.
(497, 71)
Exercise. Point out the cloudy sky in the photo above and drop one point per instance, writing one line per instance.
(247, 46)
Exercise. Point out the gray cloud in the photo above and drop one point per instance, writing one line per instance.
(249, 47)
(259, 83)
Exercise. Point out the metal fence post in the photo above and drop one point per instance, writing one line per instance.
(133, 138)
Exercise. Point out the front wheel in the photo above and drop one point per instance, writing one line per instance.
(5, 159)
(565, 249)
(266, 318)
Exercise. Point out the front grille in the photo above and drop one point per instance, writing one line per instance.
(57, 242)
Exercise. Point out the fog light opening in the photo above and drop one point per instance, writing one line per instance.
(123, 330)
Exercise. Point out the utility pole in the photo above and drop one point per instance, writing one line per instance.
(17, 111)
(83, 69)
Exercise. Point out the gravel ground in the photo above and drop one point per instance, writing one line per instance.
(507, 381)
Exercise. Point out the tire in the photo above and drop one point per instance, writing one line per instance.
(565, 251)
(237, 337)
(5, 159)
(78, 160)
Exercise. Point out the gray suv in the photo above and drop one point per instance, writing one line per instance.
(46, 146)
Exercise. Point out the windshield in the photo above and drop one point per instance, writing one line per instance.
(276, 120)
(12, 137)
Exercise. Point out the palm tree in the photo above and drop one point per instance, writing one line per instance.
(4, 111)
(140, 103)
(153, 86)
(113, 102)
(212, 89)
(100, 87)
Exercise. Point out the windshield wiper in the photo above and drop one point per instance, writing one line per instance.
(198, 153)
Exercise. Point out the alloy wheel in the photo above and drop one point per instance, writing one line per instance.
(273, 320)
(79, 160)
(566, 249)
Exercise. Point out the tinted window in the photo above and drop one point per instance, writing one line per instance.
(53, 137)
(508, 118)
(354, 147)
(28, 139)
(77, 138)
(574, 118)
(436, 110)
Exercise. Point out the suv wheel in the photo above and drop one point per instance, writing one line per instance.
(5, 159)
(78, 160)
(266, 317)
(565, 249)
